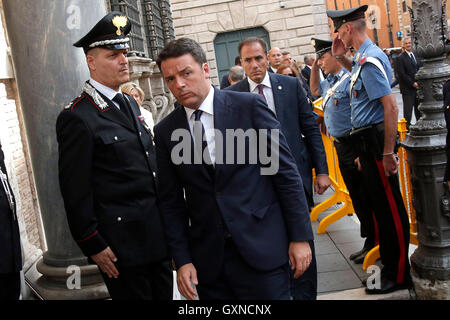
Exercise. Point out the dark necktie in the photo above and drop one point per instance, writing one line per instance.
(123, 106)
(413, 58)
(260, 91)
(204, 151)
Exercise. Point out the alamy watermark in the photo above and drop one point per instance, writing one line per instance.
(237, 147)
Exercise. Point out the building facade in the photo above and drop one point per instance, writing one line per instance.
(220, 25)
(389, 21)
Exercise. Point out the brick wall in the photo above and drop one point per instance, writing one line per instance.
(290, 28)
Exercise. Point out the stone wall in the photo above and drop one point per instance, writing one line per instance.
(17, 160)
(290, 27)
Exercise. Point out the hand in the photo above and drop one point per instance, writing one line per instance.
(315, 65)
(338, 48)
(358, 164)
(415, 85)
(105, 260)
(322, 183)
(300, 257)
(184, 276)
(390, 164)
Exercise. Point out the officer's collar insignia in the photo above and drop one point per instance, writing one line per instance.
(119, 22)
(363, 59)
(141, 118)
(358, 56)
(98, 100)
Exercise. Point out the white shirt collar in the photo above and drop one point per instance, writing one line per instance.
(106, 91)
(207, 105)
(265, 82)
(274, 69)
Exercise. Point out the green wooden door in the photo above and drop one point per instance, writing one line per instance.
(226, 46)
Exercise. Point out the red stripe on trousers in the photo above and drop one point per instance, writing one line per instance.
(377, 234)
(397, 221)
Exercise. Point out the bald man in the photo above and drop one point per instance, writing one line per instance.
(275, 58)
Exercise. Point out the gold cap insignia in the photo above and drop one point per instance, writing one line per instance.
(119, 22)
(313, 42)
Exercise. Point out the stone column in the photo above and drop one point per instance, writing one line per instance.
(425, 144)
(50, 73)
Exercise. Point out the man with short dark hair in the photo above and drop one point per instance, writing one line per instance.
(288, 101)
(232, 228)
(107, 172)
(374, 120)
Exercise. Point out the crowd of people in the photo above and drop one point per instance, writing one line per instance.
(230, 232)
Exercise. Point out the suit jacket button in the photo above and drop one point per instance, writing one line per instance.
(146, 152)
(154, 174)
(119, 219)
(115, 138)
(140, 134)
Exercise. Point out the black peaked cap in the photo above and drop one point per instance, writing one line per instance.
(321, 46)
(340, 17)
(109, 33)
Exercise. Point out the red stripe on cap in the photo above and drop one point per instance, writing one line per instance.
(87, 238)
(397, 221)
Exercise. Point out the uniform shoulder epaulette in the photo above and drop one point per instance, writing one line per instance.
(74, 102)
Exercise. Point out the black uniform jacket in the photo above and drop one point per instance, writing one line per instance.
(107, 180)
(10, 253)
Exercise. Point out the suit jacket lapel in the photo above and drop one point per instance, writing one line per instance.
(278, 96)
(223, 119)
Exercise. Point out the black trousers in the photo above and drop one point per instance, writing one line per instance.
(410, 102)
(357, 189)
(10, 286)
(390, 213)
(239, 281)
(150, 282)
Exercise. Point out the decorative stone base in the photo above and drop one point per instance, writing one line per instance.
(51, 283)
(431, 289)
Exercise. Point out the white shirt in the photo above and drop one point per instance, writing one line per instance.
(267, 90)
(274, 69)
(207, 119)
(106, 91)
(411, 55)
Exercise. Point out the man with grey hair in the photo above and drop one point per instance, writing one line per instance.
(236, 74)
(306, 71)
(407, 67)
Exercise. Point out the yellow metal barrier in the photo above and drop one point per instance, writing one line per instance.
(341, 194)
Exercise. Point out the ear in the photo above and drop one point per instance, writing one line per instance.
(91, 62)
(205, 68)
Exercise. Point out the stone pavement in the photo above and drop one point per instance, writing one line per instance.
(339, 278)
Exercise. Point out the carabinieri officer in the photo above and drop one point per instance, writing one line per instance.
(374, 115)
(336, 106)
(107, 172)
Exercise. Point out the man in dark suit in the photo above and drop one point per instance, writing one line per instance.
(107, 173)
(10, 248)
(407, 67)
(226, 78)
(287, 100)
(232, 226)
(306, 71)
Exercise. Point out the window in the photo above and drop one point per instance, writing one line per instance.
(152, 25)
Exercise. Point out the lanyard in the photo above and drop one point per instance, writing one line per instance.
(8, 192)
(332, 91)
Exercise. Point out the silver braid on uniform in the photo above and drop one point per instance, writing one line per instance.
(108, 42)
